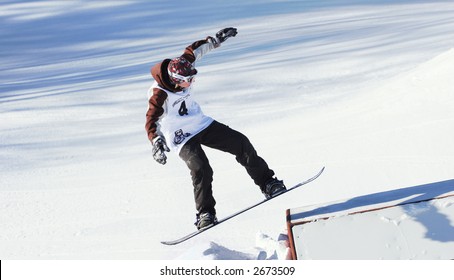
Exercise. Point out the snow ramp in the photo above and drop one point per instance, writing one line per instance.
(409, 223)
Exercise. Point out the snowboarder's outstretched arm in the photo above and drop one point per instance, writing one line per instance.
(198, 49)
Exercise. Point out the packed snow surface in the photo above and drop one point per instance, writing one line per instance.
(362, 87)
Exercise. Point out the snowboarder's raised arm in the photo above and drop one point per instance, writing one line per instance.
(198, 49)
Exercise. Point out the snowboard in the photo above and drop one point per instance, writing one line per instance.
(220, 221)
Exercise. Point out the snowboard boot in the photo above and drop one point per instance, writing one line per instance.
(273, 187)
(205, 219)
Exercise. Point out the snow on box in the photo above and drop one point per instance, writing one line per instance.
(409, 223)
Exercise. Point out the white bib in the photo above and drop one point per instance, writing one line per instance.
(182, 117)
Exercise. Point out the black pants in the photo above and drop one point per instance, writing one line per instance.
(221, 137)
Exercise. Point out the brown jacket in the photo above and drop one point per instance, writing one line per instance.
(159, 72)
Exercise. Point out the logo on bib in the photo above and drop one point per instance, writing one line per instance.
(180, 136)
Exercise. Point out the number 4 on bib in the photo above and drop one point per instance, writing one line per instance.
(183, 109)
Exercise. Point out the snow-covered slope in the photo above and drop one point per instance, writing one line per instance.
(360, 87)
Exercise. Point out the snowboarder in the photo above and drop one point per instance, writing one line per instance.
(174, 121)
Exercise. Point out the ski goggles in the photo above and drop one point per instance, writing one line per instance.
(181, 78)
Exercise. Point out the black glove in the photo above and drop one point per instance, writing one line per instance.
(159, 147)
(226, 33)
